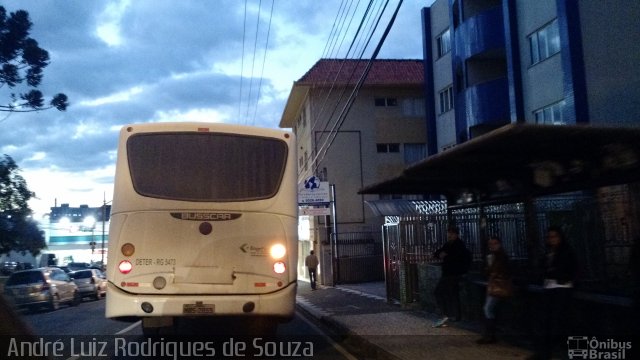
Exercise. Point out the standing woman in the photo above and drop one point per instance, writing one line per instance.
(559, 278)
(499, 287)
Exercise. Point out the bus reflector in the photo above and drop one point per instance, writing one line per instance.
(260, 284)
(278, 251)
(279, 267)
(128, 249)
(159, 282)
(125, 266)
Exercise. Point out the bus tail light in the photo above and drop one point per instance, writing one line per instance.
(279, 267)
(125, 266)
(128, 249)
(278, 251)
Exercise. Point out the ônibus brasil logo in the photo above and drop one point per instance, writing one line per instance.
(583, 347)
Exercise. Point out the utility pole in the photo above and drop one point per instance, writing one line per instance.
(334, 236)
(104, 217)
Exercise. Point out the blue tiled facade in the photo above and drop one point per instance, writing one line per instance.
(497, 80)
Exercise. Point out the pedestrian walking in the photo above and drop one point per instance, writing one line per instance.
(559, 277)
(456, 260)
(499, 287)
(311, 262)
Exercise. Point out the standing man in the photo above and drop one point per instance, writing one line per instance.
(311, 262)
(456, 261)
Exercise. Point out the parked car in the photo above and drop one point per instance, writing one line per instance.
(73, 266)
(8, 267)
(91, 283)
(64, 268)
(48, 287)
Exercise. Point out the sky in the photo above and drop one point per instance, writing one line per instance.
(138, 61)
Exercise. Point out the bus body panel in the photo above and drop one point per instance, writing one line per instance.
(204, 252)
(278, 305)
(231, 258)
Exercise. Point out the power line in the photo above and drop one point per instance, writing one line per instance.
(264, 60)
(330, 90)
(253, 62)
(333, 133)
(244, 30)
(347, 107)
(344, 88)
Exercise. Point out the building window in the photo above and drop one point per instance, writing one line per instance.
(444, 43)
(550, 115)
(388, 148)
(545, 42)
(306, 161)
(302, 120)
(414, 153)
(446, 99)
(413, 107)
(386, 101)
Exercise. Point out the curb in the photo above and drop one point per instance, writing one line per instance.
(355, 343)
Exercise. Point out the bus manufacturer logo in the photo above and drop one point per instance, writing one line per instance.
(205, 216)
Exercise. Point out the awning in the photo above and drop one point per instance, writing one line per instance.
(399, 207)
(524, 160)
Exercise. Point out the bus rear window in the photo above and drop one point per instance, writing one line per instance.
(206, 166)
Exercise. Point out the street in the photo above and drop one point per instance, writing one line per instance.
(82, 332)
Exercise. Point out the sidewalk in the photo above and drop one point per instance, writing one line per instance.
(362, 312)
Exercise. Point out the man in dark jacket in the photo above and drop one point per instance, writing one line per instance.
(455, 263)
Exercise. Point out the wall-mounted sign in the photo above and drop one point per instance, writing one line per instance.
(313, 191)
(311, 211)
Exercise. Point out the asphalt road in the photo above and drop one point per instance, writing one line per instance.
(82, 332)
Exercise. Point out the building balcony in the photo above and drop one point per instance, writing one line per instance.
(484, 106)
(480, 34)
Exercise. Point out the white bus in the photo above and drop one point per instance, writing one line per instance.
(203, 223)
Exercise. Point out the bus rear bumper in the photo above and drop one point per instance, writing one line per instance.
(279, 304)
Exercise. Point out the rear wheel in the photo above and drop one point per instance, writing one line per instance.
(77, 299)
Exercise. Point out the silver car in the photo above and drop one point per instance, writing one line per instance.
(48, 287)
(91, 283)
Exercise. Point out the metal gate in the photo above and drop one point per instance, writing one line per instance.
(358, 257)
(410, 241)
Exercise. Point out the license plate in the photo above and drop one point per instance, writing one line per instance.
(198, 309)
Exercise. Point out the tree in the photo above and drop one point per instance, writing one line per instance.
(23, 61)
(18, 231)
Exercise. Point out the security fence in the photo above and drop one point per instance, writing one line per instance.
(600, 226)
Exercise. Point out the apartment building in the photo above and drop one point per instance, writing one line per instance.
(495, 62)
(356, 122)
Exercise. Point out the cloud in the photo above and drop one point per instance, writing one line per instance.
(130, 61)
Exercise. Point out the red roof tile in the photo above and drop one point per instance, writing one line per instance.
(347, 72)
